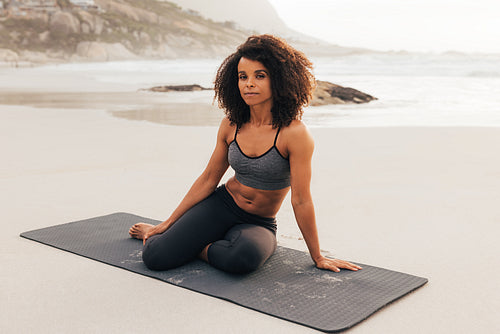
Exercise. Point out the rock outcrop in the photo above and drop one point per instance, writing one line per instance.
(117, 30)
(90, 24)
(329, 93)
(324, 94)
(9, 56)
(178, 88)
(96, 51)
(149, 29)
(64, 23)
(134, 13)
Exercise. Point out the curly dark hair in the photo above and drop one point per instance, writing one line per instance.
(292, 81)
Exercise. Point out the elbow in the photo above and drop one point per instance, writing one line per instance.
(208, 181)
(300, 201)
(295, 203)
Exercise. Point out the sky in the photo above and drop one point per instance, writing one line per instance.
(412, 25)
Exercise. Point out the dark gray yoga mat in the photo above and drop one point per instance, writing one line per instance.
(288, 286)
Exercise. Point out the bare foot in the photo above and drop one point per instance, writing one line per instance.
(139, 230)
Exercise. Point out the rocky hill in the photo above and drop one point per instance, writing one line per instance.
(256, 15)
(117, 29)
(260, 16)
(129, 29)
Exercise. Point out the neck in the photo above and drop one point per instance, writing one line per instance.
(261, 115)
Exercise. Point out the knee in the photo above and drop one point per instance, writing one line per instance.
(150, 258)
(242, 264)
(242, 259)
(158, 260)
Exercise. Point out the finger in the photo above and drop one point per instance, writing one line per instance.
(350, 266)
(328, 266)
(347, 265)
(332, 268)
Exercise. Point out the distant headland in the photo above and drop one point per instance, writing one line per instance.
(62, 30)
(42, 31)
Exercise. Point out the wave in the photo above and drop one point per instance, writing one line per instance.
(379, 64)
(410, 64)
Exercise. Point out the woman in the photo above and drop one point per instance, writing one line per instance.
(262, 88)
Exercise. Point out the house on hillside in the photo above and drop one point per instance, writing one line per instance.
(31, 8)
(85, 4)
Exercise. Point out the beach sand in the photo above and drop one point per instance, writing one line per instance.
(424, 201)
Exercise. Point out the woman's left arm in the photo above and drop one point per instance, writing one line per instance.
(300, 151)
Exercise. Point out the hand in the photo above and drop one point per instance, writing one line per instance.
(158, 229)
(335, 264)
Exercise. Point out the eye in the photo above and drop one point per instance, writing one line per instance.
(242, 76)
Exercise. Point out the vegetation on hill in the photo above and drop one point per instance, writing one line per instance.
(145, 28)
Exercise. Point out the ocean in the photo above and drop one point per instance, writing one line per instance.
(412, 89)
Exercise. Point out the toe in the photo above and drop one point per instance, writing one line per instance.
(132, 231)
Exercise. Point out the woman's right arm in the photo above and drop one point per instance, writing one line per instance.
(205, 184)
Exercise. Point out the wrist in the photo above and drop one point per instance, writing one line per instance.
(317, 258)
(166, 223)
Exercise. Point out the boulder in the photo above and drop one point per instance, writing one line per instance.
(96, 51)
(144, 38)
(117, 51)
(64, 23)
(325, 93)
(133, 13)
(329, 93)
(34, 57)
(85, 28)
(92, 51)
(165, 51)
(179, 88)
(99, 25)
(87, 25)
(90, 24)
(44, 36)
(8, 56)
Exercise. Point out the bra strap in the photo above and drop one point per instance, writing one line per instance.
(236, 132)
(276, 138)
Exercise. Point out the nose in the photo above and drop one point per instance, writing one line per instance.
(250, 83)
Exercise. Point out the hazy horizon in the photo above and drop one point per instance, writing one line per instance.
(393, 25)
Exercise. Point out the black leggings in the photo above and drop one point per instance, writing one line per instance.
(241, 242)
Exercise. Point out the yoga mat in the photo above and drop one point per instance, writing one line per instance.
(288, 286)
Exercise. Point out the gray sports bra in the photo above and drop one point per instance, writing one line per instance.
(269, 171)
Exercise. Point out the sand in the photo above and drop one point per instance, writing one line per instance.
(424, 201)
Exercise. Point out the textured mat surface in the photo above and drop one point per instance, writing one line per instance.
(288, 286)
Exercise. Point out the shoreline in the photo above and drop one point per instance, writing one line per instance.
(421, 200)
(403, 100)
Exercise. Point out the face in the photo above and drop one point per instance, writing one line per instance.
(254, 83)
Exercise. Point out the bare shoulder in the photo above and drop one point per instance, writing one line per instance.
(298, 139)
(226, 130)
(297, 131)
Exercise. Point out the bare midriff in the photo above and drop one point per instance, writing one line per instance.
(264, 203)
